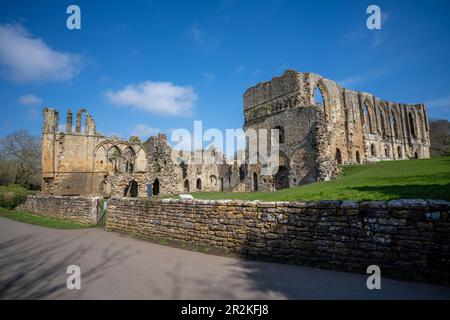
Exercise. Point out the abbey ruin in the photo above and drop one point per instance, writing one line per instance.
(320, 125)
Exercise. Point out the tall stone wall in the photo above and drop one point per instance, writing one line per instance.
(408, 239)
(350, 127)
(76, 209)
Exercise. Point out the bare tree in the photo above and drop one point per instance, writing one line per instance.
(21, 153)
(440, 137)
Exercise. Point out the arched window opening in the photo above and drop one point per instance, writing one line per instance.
(383, 127)
(399, 152)
(372, 150)
(420, 128)
(394, 124)
(129, 160)
(338, 156)
(367, 122)
(318, 96)
(255, 181)
(114, 163)
(386, 152)
(183, 167)
(242, 172)
(186, 185)
(81, 121)
(358, 158)
(280, 134)
(199, 184)
(131, 190)
(134, 189)
(412, 126)
(156, 187)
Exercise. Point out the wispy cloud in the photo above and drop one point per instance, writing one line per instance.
(240, 69)
(282, 68)
(28, 59)
(144, 131)
(256, 72)
(201, 37)
(374, 38)
(209, 76)
(164, 98)
(361, 78)
(29, 100)
(443, 102)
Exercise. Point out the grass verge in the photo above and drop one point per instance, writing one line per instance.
(47, 222)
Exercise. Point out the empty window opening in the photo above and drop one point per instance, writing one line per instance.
(280, 134)
(255, 181)
(372, 150)
(156, 187)
(338, 156)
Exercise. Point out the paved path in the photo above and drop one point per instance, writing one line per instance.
(33, 261)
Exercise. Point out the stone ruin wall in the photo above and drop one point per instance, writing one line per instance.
(349, 127)
(84, 162)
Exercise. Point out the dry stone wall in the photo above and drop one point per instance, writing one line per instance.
(408, 239)
(76, 209)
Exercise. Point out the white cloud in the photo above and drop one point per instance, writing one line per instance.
(163, 98)
(29, 100)
(144, 131)
(28, 59)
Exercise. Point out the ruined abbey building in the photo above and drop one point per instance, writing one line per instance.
(320, 125)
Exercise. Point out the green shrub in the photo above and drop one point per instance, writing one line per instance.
(12, 196)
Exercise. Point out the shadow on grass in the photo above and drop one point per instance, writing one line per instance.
(411, 191)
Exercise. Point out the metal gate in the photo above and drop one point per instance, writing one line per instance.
(102, 212)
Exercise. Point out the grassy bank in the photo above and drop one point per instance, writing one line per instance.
(408, 179)
(40, 220)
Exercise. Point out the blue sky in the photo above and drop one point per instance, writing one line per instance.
(144, 66)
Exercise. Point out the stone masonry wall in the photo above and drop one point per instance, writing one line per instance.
(76, 209)
(408, 239)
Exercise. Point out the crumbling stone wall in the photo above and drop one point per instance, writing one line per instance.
(75, 209)
(347, 127)
(408, 239)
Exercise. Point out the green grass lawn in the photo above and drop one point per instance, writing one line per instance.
(40, 220)
(407, 179)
